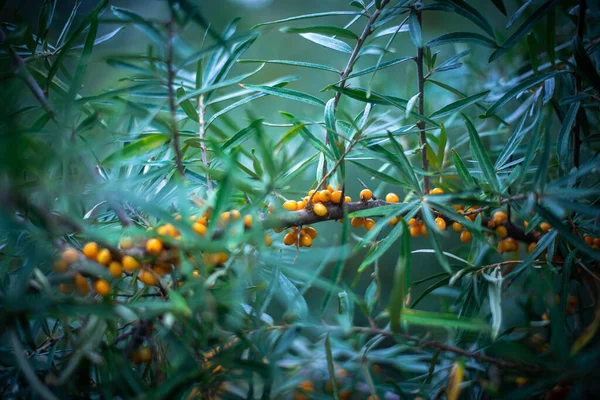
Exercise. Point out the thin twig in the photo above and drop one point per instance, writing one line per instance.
(578, 88)
(172, 104)
(421, 99)
(202, 134)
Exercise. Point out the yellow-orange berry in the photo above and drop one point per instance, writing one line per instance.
(545, 227)
(424, 230)
(306, 386)
(235, 215)
(369, 224)
(501, 231)
(500, 217)
(90, 250)
(202, 220)
(336, 197)
(491, 224)
(412, 221)
(154, 246)
(177, 218)
(357, 222)
(130, 264)
(102, 287)
(196, 273)
(441, 223)
(457, 226)
(290, 238)
(320, 210)
(415, 230)
(305, 241)
(222, 257)
(126, 243)
(142, 355)
(324, 196)
(465, 236)
(199, 228)
(148, 278)
(502, 246)
(82, 285)
(525, 224)
(116, 269)
(268, 240)
(394, 221)
(347, 199)
(104, 257)
(588, 240)
(436, 191)
(366, 194)
(162, 269)
(310, 231)
(392, 198)
(290, 205)
(248, 221)
(69, 256)
(301, 204)
(511, 244)
(596, 242)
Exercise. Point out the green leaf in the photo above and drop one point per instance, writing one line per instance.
(240, 137)
(443, 140)
(585, 65)
(532, 46)
(328, 42)
(296, 302)
(479, 152)
(524, 85)
(187, 106)
(139, 148)
(381, 176)
(564, 135)
(322, 30)
(431, 231)
(441, 283)
(462, 37)
(414, 28)
(309, 16)
(411, 104)
(461, 7)
(381, 248)
(443, 320)
(500, 6)
(551, 35)
(517, 14)
(287, 94)
(513, 143)
(401, 272)
(404, 165)
(378, 67)
(293, 63)
(525, 28)
(331, 367)
(459, 105)
(140, 23)
(84, 59)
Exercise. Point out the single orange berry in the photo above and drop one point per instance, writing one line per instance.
(545, 227)
(316, 198)
(369, 224)
(126, 243)
(500, 217)
(130, 264)
(202, 220)
(222, 257)
(457, 226)
(525, 224)
(82, 285)
(154, 246)
(441, 223)
(69, 256)
(305, 241)
(512, 244)
(465, 236)
(501, 231)
(336, 197)
(301, 204)
(90, 250)
(320, 210)
(366, 195)
(415, 230)
(200, 229)
(347, 199)
(588, 240)
(102, 287)
(596, 242)
(502, 246)
(394, 221)
(392, 198)
(290, 205)
(412, 221)
(310, 231)
(424, 230)
(436, 191)
(491, 224)
(142, 355)
(306, 386)
(248, 221)
(104, 257)
(196, 273)
(268, 240)
(148, 278)
(324, 196)
(357, 222)
(290, 238)
(66, 287)
(235, 215)
(116, 269)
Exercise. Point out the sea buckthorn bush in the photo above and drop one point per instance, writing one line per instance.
(396, 199)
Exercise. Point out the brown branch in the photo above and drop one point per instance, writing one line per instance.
(172, 104)
(421, 99)
(202, 135)
(29, 80)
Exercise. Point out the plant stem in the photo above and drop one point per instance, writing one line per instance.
(421, 124)
(172, 105)
(578, 88)
(202, 134)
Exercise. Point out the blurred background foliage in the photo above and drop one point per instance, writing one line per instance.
(90, 132)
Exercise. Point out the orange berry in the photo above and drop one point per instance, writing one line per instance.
(90, 250)
(65, 287)
(148, 278)
(357, 222)
(102, 287)
(441, 223)
(162, 230)
(545, 227)
(392, 198)
(502, 246)
(412, 221)
(526, 224)
(290, 238)
(588, 240)
(305, 241)
(116, 269)
(301, 204)
(199, 228)
(310, 192)
(202, 220)
(235, 215)
(130, 264)
(531, 247)
(501, 232)
(69, 256)
(366, 195)
(310, 231)
(154, 246)
(457, 226)
(306, 386)
(512, 244)
(596, 242)
(60, 266)
(82, 285)
(324, 196)
(320, 210)
(336, 197)
(500, 217)
(268, 240)
(290, 205)
(347, 199)
(436, 191)
(424, 230)
(394, 221)
(248, 221)
(491, 224)
(316, 198)
(465, 236)
(196, 273)
(126, 243)
(369, 224)
(222, 257)
(142, 355)
(104, 257)
(415, 230)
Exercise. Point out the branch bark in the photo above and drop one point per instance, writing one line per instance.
(172, 105)
(421, 105)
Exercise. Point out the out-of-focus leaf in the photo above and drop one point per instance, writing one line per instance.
(479, 152)
(379, 67)
(588, 333)
(381, 176)
(414, 28)
(459, 105)
(443, 320)
(517, 14)
(331, 368)
(455, 379)
(564, 135)
(136, 149)
(322, 30)
(309, 16)
(462, 37)
(139, 22)
(399, 289)
(293, 63)
(103, 38)
(585, 65)
(328, 42)
(461, 7)
(186, 105)
(287, 94)
(433, 239)
(500, 6)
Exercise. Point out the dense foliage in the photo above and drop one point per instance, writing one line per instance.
(158, 239)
